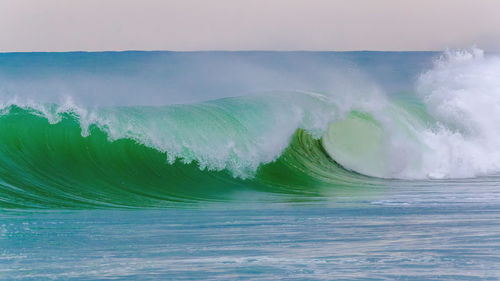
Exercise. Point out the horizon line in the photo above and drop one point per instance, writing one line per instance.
(229, 51)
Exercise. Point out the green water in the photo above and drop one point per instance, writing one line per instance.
(53, 166)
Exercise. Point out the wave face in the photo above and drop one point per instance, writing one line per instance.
(54, 156)
(287, 143)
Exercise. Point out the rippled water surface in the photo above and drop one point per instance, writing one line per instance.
(441, 231)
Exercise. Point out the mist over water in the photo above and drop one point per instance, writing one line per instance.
(162, 78)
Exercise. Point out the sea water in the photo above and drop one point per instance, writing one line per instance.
(250, 165)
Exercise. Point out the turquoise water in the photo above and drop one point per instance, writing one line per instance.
(249, 165)
(448, 232)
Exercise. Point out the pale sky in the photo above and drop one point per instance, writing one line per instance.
(185, 25)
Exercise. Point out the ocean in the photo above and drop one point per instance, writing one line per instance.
(253, 165)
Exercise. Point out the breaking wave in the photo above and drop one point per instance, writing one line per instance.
(286, 143)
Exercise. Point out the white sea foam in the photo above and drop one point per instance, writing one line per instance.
(462, 92)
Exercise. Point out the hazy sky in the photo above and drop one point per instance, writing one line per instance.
(62, 25)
